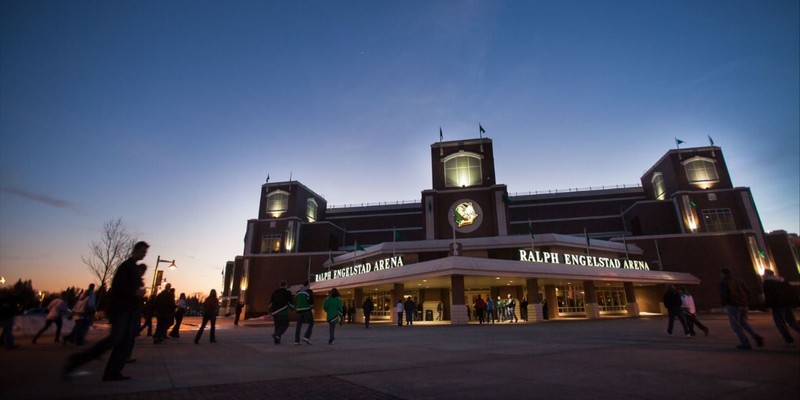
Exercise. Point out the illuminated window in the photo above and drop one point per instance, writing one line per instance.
(571, 300)
(277, 203)
(271, 244)
(611, 299)
(658, 186)
(701, 170)
(311, 210)
(462, 170)
(718, 220)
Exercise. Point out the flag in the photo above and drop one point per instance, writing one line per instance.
(710, 140)
(398, 236)
(267, 178)
(530, 228)
(506, 199)
(358, 247)
(588, 244)
(679, 142)
(693, 204)
(330, 256)
(761, 253)
(441, 136)
(481, 131)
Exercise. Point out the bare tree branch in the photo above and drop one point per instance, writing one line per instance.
(108, 253)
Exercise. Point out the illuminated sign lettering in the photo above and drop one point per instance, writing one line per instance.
(359, 269)
(580, 259)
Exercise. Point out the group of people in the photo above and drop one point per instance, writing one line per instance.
(82, 313)
(126, 306)
(282, 301)
(502, 310)
(735, 295)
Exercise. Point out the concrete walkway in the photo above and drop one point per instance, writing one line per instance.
(612, 358)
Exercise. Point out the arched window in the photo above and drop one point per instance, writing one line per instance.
(462, 170)
(311, 210)
(277, 203)
(701, 170)
(659, 191)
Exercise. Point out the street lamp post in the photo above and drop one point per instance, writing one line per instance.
(172, 267)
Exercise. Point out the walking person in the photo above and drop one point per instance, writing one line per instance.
(9, 308)
(180, 311)
(303, 303)
(480, 309)
(780, 298)
(239, 307)
(734, 296)
(210, 310)
(333, 312)
(409, 308)
(523, 308)
(56, 310)
(439, 309)
(165, 310)
(511, 306)
(147, 313)
(672, 302)
(81, 313)
(124, 298)
(279, 304)
(689, 312)
(489, 309)
(367, 307)
(398, 308)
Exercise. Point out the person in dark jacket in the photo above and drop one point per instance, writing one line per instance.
(239, 307)
(127, 292)
(780, 297)
(409, 308)
(368, 306)
(279, 305)
(165, 311)
(210, 310)
(734, 296)
(672, 302)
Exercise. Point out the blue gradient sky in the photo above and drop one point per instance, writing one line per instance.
(170, 116)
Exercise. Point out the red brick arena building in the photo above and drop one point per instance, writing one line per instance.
(585, 253)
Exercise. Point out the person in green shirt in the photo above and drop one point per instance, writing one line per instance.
(333, 311)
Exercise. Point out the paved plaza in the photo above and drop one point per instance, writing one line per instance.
(616, 358)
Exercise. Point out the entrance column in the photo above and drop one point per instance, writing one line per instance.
(458, 308)
(358, 299)
(552, 302)
(590, 297)
(534, 301)
(397, 295)
(630, 300)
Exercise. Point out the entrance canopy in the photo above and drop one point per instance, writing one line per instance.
(484, 272)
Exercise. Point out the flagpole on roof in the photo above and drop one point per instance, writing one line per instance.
(588, 243)
(480, 134)
(441, 137)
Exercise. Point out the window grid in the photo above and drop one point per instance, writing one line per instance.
(571, 299)
(658, 186)
(270, 244)
(311, 210)
(718, 220)
(277, 202)
(464, 170)
(611, 299)
(701, 170)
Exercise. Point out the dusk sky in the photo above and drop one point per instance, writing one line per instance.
(170, 115)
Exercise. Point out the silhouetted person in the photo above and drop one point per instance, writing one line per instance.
(239, 307)
(780, 298)
(210, 310)
(124, 298)
(734, 296)
(367, 307)
(55, 315)
(180, 311)
(279, 304)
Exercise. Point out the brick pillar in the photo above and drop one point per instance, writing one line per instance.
(458, 308)
(590, 296)
(630, 300)
(552, 301)
(534, 300)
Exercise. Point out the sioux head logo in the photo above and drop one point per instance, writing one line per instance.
(464, 214)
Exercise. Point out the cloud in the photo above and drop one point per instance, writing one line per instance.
(44, 199)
